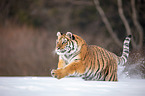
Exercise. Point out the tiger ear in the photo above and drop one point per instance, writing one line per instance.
(70, 35)
(59, 34)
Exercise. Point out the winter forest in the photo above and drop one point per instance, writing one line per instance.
(28, 32)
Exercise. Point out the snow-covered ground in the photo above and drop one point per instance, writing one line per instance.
(70, 86)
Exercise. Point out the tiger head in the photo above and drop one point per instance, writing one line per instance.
(65, 43)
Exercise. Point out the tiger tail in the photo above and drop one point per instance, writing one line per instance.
(123, 59)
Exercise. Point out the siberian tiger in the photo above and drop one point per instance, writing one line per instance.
(90, 62)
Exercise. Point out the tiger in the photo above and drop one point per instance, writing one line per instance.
(91, 62)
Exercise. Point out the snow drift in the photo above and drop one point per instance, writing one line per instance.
(74, 86)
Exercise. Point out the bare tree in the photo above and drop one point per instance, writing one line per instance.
(125, 22)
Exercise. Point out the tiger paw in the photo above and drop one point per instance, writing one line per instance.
(58, 73)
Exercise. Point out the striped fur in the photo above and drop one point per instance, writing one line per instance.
(88, 61)
(123, 59)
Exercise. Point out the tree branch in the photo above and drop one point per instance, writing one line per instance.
(107, 24)
(137, 24)
(127, 27)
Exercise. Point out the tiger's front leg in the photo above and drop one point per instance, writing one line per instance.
(59, 73)
(69, 69)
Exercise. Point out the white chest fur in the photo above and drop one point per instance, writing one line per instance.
(70, 59)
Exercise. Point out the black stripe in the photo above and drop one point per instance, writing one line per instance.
(110, 72)
(129, 36)
(73, 37)
(126, 48)
(102, 61)
(72, 44)
(106, 74)
(108, 54)
(103, 52)
(76, 42)
(126, 51)
(85, 55)
(77, 59)
(127, 39)
(75, 55)
(125, 56)
(65, 60)
(89, 70)
(111, 77)
(100, 76)
(98, 64)
(126, 44)
(114, 77)
(63, 51)
(123, 60)
(93, 67)
(60, 38)
(70, 47)
(103, 75)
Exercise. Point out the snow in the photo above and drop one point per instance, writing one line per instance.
(69, 86)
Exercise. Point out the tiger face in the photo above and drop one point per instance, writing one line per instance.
(64, 43)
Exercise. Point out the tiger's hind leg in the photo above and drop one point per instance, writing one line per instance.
(111, 77)
(111, 72)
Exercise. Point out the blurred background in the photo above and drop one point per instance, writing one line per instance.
(28, 32)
